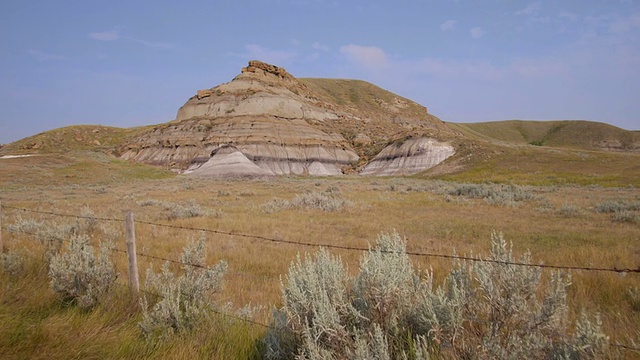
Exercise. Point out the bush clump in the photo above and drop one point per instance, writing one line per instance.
(325, 201)
(185, 210)
(616, 206)
(492, 193)
(11, 262)
(329, 200)
(53, 234)
(175, 304)
(81, 277)
(620, 211)
(483, 310)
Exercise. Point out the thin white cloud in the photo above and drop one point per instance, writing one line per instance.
(368, 56)
(370, 59)
(105, 35)
(531, 9)
(43, 56)
(476, 32)
(115, 35)
(152, 44)
(448, 25)
(569, 16)
(318, 46)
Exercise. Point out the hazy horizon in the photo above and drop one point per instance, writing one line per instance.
(132, 64)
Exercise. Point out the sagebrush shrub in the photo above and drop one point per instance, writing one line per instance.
(612, 206)
(11, 262)
(175, 304)
(328, 200)
(568, 211)
(317, 309)
(52, 234)
(325, 201)
(183, 210)
(625, 216)
(275, 205)
(493, 193)
(79, 276)
(483, 310)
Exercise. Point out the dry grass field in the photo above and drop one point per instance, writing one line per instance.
(575, 220)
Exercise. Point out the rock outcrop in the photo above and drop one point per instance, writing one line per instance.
(267, 122)
(409, 157)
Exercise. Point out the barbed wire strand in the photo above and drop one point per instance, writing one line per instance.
(89, 217)
(413, 253)
(353, 248)
(234, 274)
(618, 345)
(151, 293)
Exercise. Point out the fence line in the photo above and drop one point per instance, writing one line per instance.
(89, 217)
(1, 242)
(349, 248)
(129, 228)
(235, 274)
(253, 322)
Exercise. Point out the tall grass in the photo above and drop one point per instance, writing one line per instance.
(39, 320)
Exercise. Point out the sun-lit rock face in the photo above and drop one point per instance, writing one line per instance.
(266, 122)
(409, 157)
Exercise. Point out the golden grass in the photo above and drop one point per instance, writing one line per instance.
(561, 133)
(34, 324)
(545, 166)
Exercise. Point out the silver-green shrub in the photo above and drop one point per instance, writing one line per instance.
(316, 311)
(488, 309)
(325, 201)
(11, 262)
(613, 206)
(275, 205)
(492, 193)
(53, 234)
(79, 276)
(182, 210)
(328, 200)
(385, 287)
(483, 310)
(175, 304)
(569, 211)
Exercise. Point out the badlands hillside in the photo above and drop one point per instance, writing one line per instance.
(266, 122)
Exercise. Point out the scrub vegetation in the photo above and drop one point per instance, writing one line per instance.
(276, 296)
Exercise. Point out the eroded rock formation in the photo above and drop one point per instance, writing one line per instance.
(266, 122)
(409, 157)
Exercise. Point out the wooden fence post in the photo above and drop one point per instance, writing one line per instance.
(1, 243)
(134, 283)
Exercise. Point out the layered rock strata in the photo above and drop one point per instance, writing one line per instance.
(266, 122)
(409, 157)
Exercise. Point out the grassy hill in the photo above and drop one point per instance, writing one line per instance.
(73, 138)
(524, 152)
(562, 133)
(377, 107)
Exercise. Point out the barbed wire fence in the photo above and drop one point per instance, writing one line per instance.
(132, 254)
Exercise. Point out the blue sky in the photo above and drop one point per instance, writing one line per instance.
(129, 63)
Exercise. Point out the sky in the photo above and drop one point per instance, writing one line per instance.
(131, 63)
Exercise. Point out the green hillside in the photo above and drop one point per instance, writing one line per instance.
(73, 138)
(563, 133)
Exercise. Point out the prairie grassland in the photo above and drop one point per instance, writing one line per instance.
(560, 225)
(546, 166)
